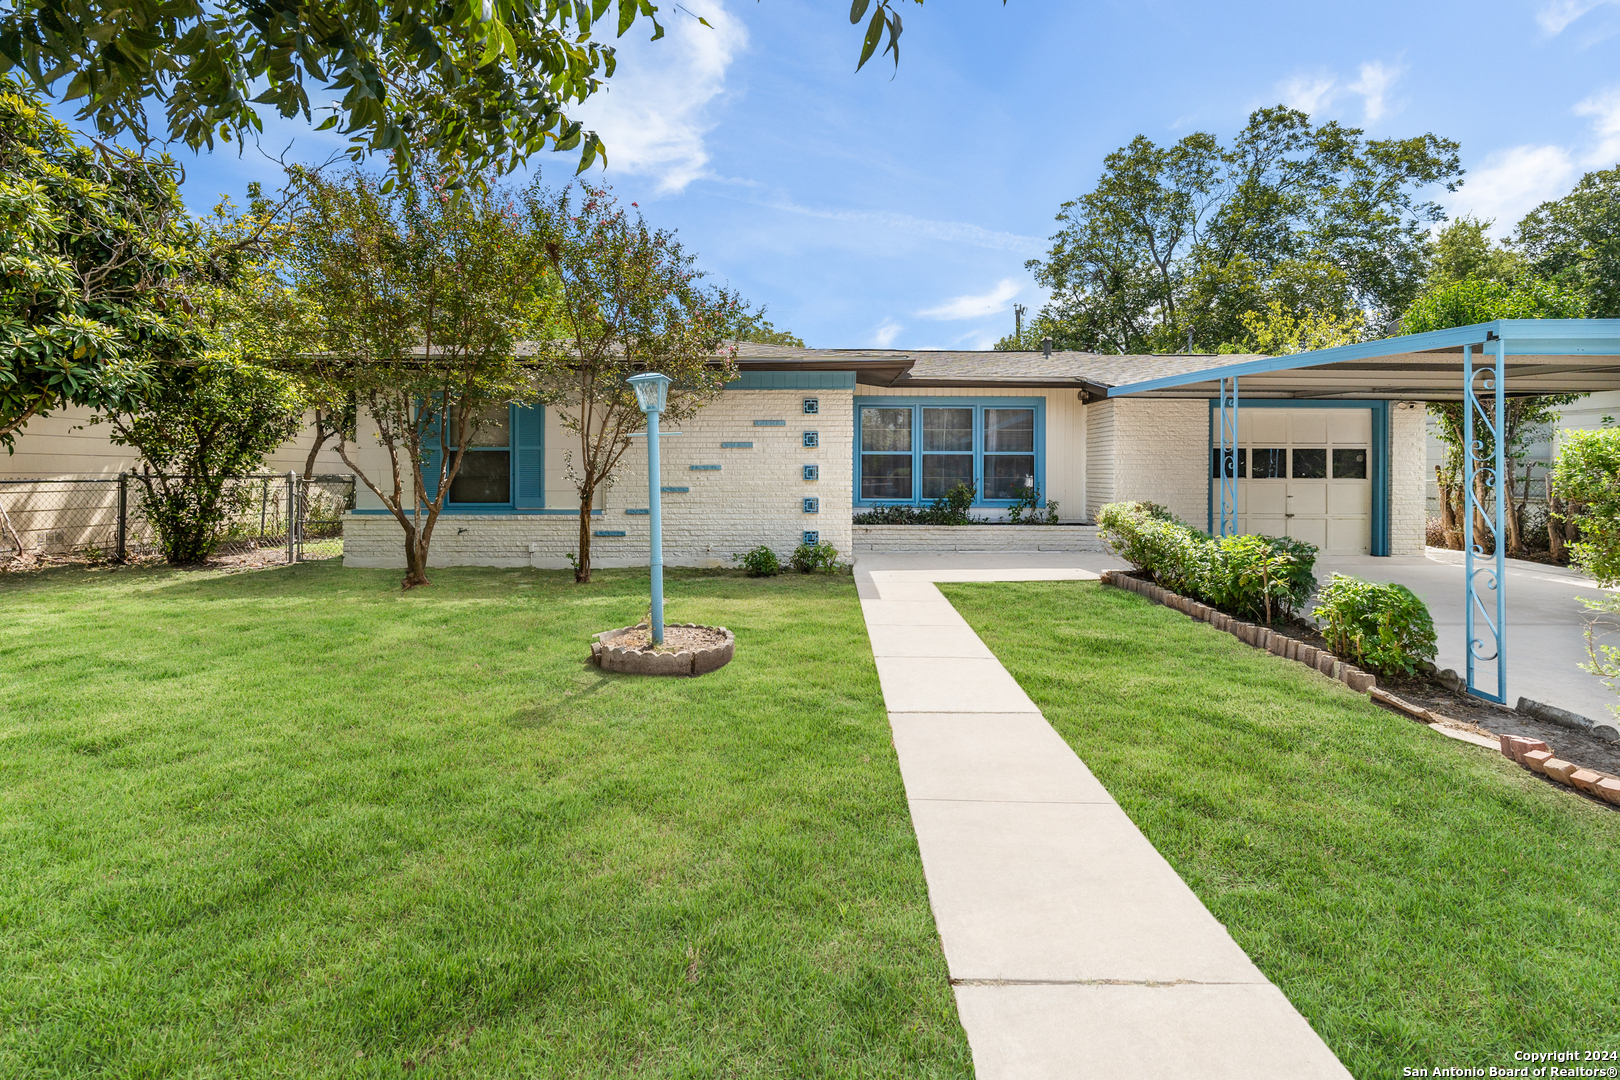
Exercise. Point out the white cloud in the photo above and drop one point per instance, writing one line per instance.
(1315, 92)
(1512, 182)
(655, 112)
(1308, 93)
(885, 334)
(1556, 16)
(1604, 108)
(956, 232)
(1374, 86)
(976, 307)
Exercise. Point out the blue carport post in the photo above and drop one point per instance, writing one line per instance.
(651, 388)
(1485, 583)
(1226, 457)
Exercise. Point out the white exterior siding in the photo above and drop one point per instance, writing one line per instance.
(1099, 457)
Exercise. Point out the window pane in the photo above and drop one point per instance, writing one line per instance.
(494, 427)
(1349, 464)
(1009, 431)
(941, 472)
(485, 477)
(1269, 464)
(1215, 462)
(1006, 475)
(947, 429)
(1310, 464)
(886, 430)
(886, 476)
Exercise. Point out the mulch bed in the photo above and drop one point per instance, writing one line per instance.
(676, 638)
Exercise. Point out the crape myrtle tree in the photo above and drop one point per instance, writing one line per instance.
(1176, 244)
(408, 307)
(474, 88)
(629, 301)
(97, 255)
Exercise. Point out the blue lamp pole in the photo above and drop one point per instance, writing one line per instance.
(651, 389)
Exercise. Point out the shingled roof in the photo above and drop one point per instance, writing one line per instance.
(943, 368)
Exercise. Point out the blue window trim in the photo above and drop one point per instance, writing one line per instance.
(514, 447)
(978, 404)
(1380, 459)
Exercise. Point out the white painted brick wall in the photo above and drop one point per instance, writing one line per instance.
(756, 497)
(1161, 454)
(1407, 465)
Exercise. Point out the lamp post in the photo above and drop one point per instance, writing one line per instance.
(651, 389)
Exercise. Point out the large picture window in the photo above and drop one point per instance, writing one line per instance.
(917, 451)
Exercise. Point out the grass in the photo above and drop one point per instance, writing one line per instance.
(1421, 901)
(297, 823)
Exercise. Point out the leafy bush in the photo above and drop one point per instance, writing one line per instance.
(1256, 577)
(819, 558)
(1029, 503)
(1383, 628)
(1588, 472)
(950, 510)
(760, 562)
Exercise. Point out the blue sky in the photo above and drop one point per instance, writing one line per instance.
(897, 209)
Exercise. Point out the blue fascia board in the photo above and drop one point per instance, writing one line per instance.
(1523, 337)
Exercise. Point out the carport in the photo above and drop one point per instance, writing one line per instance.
(1481, 365)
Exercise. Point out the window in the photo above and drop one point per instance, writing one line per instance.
(485, 475)
(1310, 464)
(917, 451)
(1349, 464)
(1215, 463)
(1270, 464)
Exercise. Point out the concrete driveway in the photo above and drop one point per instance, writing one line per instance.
(1546, 622)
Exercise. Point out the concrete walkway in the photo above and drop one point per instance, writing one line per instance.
(1074, 949)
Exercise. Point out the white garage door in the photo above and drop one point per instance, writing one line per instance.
(1305, 473)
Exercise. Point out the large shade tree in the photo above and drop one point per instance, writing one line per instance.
(1176, 244)
(477, 87)
(1575, 241)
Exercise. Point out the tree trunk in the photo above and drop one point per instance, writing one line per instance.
(1555, 526)
(582, 567)
(1448, 509)
(416, 549)
(1482, 525)
(320, 441)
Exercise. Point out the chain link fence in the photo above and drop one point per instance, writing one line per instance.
(274, 518)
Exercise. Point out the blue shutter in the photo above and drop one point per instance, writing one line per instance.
(529, 457)
(430, 459)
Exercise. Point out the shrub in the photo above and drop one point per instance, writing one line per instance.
(760, 562)
(950, 510)
(819, 558)
(1256, 577)
(1588, 471)
(1027, 509)
(1383, 628)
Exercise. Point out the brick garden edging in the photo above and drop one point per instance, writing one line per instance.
(1537, 756)
(1260, 637)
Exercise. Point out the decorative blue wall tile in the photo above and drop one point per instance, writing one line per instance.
(675, 490)
(770, 423)
(812, 406)
(607, 532)
(737, 445)
(812, 538)
(812, 472)
(812, 438)
(641, 511)
(812, 506)
(704, 468)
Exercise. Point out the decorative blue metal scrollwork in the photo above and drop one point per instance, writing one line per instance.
(1226, 457)
(1484, 500)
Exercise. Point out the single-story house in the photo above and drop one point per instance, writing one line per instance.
(805, 438)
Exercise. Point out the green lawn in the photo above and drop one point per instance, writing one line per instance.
(1421, 901)
(297, 823)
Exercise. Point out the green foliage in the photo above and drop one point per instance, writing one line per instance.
(1575, 241)
(628, 299)
(475, 88)
(1027, 510)
(198, 428)
(952, 509)
(754, 326)
(759, 562)
(1184, 239)
(819, 558)
(403, 298)
(1588, 472)
(1464, 251)
(1384, 628)
(1477, 300)
(97, 253)
(1254, 577)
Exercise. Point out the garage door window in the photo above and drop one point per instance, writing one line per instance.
(1349, 464)
(1269, 464)
(1310, 463)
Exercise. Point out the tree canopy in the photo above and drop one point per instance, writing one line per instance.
(1575, 241)
(478, 87)
(1175, 244)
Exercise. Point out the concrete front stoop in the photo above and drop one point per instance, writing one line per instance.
(1074, 948)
